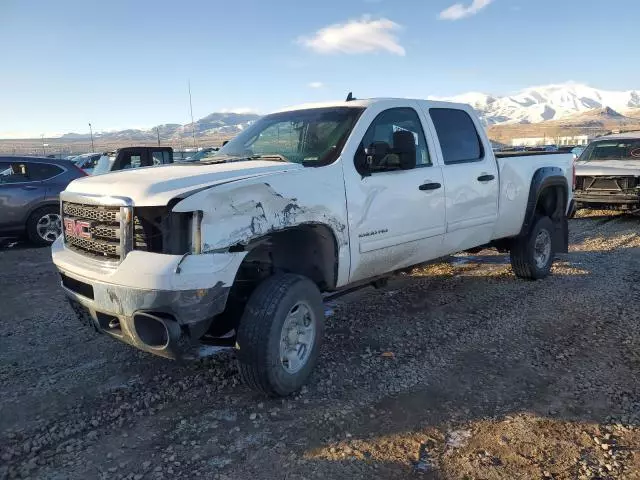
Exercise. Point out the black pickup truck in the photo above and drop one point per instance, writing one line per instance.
(133, 157)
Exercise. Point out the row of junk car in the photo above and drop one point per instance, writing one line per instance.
(607, 178)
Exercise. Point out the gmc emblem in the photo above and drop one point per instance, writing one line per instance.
(77, 228)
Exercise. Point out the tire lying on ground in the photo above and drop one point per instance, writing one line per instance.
(532, 256)
(280, 334)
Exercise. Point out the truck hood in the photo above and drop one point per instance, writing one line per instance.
(155, 186)
(609, 168)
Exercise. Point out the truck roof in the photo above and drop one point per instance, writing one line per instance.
(367, 102)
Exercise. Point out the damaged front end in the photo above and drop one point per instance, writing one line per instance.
(170, 324)
(620, 192)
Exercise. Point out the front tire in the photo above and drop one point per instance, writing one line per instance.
(44, 226)
(532, 256)
(280, 334)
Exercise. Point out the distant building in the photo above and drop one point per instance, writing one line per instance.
(539, 141)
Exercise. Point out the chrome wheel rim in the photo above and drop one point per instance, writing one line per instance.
(297, 337)
(542, 248)
(49, 227)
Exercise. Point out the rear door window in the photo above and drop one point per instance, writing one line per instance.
(160, 158)
(459, 139)
(22, 172)
(42, 171)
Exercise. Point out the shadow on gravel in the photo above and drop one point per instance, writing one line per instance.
(562, 359)
(412, 365)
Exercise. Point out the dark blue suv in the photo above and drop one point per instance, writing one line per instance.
(29, 189)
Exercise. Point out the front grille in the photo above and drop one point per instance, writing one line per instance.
(92, 212)
(614, 184)
(98, 229)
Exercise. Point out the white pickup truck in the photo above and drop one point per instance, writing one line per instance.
(241, 250)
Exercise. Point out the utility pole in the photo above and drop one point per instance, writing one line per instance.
(91, 132)
(44, 151)
(158, 132)
(193, 127)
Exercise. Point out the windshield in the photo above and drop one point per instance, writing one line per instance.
(624, 149)
(311, 137)
(104, 164)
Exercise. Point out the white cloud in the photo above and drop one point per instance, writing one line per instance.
(356, 36)
(316, 85)
(458, 11)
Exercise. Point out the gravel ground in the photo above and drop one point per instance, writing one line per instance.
(456, 371)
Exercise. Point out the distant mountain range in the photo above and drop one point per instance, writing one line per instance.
(570, 104)
(550, 102)
(213, 124)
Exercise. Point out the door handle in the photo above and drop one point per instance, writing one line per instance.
(429, 186)
(485, 178)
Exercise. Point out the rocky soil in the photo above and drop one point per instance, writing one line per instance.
(456, 371)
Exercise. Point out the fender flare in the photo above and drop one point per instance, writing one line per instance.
(543, 178)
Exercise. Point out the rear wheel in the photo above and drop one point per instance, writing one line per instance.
(44, 226)
(532, 256)
(280, 334)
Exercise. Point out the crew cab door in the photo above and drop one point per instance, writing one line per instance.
(470, 173)
(396, 204)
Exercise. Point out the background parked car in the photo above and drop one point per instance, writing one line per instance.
(201, 154)
(87, 161)
(29, 189)
(133, 157)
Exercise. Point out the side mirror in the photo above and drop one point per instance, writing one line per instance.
(225, 142)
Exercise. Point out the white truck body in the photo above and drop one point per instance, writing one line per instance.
(364, 226)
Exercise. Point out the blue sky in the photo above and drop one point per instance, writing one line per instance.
(123, 63)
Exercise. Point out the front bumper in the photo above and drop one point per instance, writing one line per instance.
(603, 200)
(112, 310)
(184, 293)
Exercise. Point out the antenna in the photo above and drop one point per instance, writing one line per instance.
(350, 97)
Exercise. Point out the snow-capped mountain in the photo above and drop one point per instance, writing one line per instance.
(214, 124)
(551, 102)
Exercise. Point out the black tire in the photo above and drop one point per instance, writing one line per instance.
(523, 252)
(32, 225)
(259, 334)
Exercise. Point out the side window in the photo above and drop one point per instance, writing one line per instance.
(42, 171)
(13, 172)
(160, 158)
(156, 158)
(131, 161)
(458, 136)
(394, 141)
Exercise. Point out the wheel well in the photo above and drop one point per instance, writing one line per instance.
(38, 207)
(551, 202)
(310, 250)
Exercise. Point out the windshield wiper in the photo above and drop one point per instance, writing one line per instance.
(220, 159)
(269, 156)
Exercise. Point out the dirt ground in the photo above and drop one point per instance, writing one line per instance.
(458, 371)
